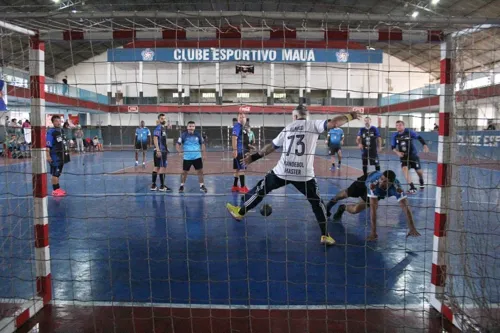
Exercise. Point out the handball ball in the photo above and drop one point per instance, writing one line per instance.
(266, 210)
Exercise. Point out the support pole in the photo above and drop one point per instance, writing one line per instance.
(443, 180)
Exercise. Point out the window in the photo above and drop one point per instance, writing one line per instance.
(208, 95)
(243, 95)
(279, 95)
(175, 95)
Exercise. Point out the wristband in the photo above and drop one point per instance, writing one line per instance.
(255, 157)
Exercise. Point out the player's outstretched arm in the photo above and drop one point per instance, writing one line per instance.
(342, 119)
(266, 150)
(409, 216)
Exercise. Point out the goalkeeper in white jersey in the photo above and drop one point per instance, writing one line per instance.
(298, 141)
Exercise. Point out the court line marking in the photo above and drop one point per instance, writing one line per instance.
(386, 306)
(241, 306)
(238, 306)
(187, 194)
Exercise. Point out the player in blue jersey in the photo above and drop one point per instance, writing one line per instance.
(192, 147)
(240, 148)
(370, 143)
(403, 144)
(335, 140)
(160, 154)
(57, 154)
(142, 140)
(370, 189)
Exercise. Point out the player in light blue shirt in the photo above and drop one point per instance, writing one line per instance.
(335, 140)
(192, 147)
(142, 139)
(370, 189)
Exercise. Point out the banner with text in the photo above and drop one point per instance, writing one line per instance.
(246, 55)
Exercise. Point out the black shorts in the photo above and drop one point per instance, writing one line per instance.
(369, 156)
(160, 162)
(56, 169)
(197, 163)
(412, 162)
(334, 149)
(237, 165)
(141, 145)
(358, 189)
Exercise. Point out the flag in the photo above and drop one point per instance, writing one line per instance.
(3, 96)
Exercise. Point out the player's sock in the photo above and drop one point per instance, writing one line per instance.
(55, 186)
(365, 170)
(201, 184)
(235, 183)
(242, 180)
(155, 175)
(340, 162)
(412, 185)
(182, 184)
(162, 179)
(421, 181)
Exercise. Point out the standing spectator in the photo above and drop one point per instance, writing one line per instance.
(65, 87)
(491, 126)
(79, 139)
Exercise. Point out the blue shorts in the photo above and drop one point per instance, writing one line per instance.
(160, 162)
(56, 169)
(237, 165)
(412, 162)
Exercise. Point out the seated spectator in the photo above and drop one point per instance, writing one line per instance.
(97, 144)
(89, 144)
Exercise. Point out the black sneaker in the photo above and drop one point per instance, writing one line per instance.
(340, 211)
(422, 187)
(412, 190)
(181, 189)
(154, 187)
(164, 188)
(203, 189)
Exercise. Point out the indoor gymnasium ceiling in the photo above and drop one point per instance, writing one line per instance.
(482, 44)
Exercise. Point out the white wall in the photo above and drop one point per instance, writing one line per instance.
(365, 80)
(224, 120)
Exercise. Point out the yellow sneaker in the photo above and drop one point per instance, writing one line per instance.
(328, 240)
(234, 211)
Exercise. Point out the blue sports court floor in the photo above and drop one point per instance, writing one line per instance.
(112, 240)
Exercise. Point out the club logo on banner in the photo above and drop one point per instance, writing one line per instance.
(3, 96)
(342, 56)
(244, 108)
(133, 108)
(148, 55)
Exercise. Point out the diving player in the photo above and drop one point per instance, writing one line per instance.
(370, 189)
